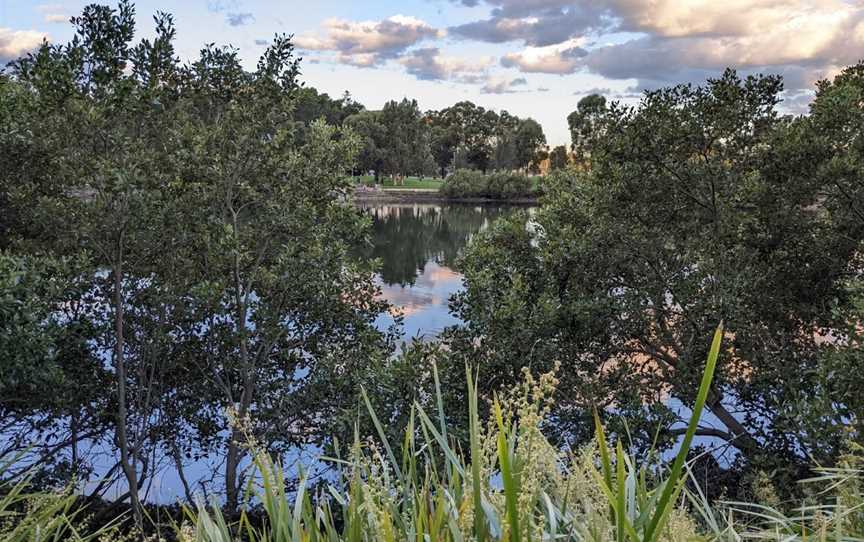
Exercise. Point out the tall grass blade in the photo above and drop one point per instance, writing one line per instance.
(675, 481)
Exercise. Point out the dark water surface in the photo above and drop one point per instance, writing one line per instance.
(418, 245)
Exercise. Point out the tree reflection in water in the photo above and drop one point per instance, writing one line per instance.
(417, 245)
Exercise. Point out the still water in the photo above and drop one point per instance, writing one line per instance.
(417, 245)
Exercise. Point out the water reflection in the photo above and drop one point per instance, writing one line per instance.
(418, 245)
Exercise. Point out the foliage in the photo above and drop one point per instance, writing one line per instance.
(558, 158)
(701, 201)
(310, 106)
(585, 123)
(395, 140)
(466, 136)
(26, 516)
(529, 141)
(212, 249)
(468, 183)
(512, 486)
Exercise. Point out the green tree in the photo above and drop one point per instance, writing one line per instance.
(406, 145)
(504, 154)
(466, 131)
(213, 242)
(368, 127)
(281, 322)
(100, 112)
(558, 158)
(585, 122)
(701, 205)
(443, 139)
(310, 105)
(529, 142)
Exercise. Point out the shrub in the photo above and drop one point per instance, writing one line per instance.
(469, 183)
(507, 483)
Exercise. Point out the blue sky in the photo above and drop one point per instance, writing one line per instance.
(534, 58)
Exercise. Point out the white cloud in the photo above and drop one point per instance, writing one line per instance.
(504, 85)
(15, 43)
(429, 64)
(384, 39)
(561, 58)
(56, 18)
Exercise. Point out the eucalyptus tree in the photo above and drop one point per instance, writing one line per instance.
(558, 158)
(585, 123)
(367, 126)
(406, 145)
(529, 142)
(504, 142)
(701, 205)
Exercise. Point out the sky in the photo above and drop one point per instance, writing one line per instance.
(534, 58)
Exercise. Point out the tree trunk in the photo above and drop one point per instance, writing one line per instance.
(127, 463)
(178, 464)
(743, 440)
(235, 453)
(73, 429)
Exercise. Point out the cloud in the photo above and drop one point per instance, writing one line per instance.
(603, 91)
(53, 13)
(538, 28)
(239, 19)
(675, 41)
(429, 64)
(16, 43)
(218, 6)
(562, 58)
(368, 42)
(503, 86)
(673, 18)
(803, 50)
(262, 43)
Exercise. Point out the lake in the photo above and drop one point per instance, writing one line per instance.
(417, 245)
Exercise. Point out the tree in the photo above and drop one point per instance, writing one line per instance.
(528, 143)
(464, 129)
(281, 322)
(558, 158)
(214, 255)
(100, 112)
(504, 154)
(443, 140)
(699, 207)
(44, 336)
(368, 127)
(310, 105)
(585, 122)
(406, 145)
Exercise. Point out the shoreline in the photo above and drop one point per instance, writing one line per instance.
(422, 195)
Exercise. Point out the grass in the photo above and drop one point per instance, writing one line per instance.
(37, 517)
(511, 485)
(410, 182)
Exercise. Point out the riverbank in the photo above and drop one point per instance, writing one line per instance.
(427, 195)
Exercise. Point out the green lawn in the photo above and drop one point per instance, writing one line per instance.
(410, 182)
(421, 182)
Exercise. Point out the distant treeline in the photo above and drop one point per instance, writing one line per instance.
(401, 139)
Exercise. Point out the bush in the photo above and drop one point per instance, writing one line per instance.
(469, 183)
(507, 482)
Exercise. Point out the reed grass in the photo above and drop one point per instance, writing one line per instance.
(509, 485)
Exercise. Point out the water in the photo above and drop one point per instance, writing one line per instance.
(417, 245)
